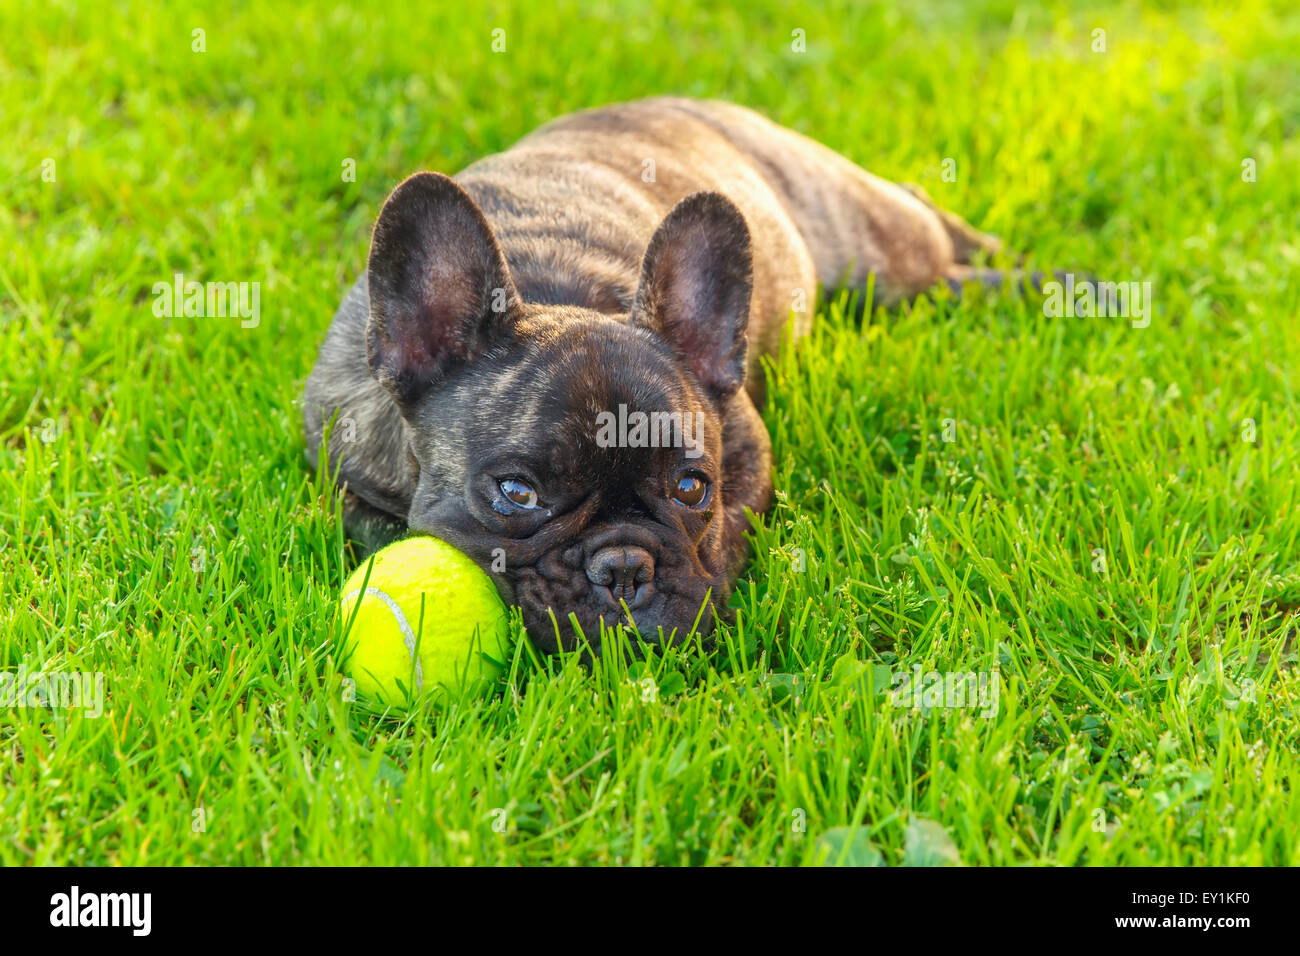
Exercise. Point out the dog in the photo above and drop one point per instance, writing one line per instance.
(510, 372)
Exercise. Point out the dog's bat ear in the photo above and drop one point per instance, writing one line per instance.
(695, 289)
(440, 290)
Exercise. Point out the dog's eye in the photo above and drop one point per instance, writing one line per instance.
(520, 492)
(692, 490)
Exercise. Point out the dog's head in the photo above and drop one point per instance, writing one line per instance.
(575, 456)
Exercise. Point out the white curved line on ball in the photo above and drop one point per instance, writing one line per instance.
(403, 625)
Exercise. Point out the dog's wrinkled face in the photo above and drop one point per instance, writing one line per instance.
(523, 464)
(575, 456)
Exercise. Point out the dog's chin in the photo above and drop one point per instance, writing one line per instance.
(552, 629)
(664, 619)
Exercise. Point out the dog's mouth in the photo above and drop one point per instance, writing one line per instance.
(632, 574)
(583, 626)
(621, 576)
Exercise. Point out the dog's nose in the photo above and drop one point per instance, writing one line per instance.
(622, 572)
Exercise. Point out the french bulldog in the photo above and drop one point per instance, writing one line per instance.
(552, 361)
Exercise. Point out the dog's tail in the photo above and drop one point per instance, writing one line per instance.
(961, 277)
(970, 247)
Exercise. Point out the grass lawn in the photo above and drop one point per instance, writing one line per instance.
(1106, 515)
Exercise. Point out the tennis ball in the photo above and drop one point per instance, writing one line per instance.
(426, 617)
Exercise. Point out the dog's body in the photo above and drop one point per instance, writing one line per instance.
(571, 275)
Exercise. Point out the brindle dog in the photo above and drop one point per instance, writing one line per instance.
(643, 255)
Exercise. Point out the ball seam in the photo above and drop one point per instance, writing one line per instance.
(408, 635)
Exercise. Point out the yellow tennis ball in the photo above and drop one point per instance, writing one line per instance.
(394, 655)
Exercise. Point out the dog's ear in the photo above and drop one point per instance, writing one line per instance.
(695, 288)
(440, 291)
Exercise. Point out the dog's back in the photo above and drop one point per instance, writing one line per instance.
(575, 202)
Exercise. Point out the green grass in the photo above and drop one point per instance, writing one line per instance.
(157, 524)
